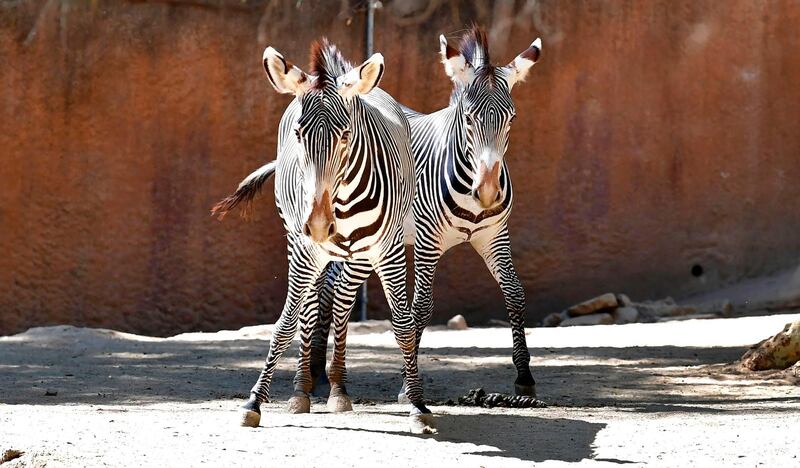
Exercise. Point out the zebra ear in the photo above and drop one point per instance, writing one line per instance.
(455, 65)
(518, 69)
(285, 77)
(363, 78)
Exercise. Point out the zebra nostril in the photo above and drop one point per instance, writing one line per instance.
(331, 229)
(306, 230)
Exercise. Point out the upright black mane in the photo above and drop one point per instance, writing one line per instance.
(475, 47)
(327, 62)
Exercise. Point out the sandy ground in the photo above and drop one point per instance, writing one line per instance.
(640, 394)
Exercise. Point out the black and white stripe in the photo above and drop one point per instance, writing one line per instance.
(454, 150)
(450, 148)
(343, 144)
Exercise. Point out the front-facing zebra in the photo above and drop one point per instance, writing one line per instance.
(463, 182)
(344, 182)
(463, 186)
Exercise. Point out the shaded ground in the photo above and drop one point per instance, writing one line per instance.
(639, 394)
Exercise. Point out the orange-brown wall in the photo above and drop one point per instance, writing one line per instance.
(651, 137)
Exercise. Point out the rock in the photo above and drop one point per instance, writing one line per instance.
(723, 308)
(677, 311)
(624, 300)
(606, 301)
(591, 319)
(9, 455)
(457, 323)
(664, 308)
(779, 352)
(369, 326)
(679, 318)
(555, 318)
(624, 315)
(727, 308)
(498, 323)
(552, 320)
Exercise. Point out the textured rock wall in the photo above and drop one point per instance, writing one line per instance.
(653, 137)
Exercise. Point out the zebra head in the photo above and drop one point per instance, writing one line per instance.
(482, 94)
(324, 130)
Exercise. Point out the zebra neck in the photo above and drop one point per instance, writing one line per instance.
(459, 165)
(360, 155)
(457, 94)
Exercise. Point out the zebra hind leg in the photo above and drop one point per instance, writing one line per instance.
(320, 385)
(346, 287)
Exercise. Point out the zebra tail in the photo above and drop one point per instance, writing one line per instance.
(245, 193)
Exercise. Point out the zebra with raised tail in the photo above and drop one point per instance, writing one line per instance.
(463, 187)
(344, 183)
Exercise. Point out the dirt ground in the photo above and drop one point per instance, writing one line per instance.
(640, 394)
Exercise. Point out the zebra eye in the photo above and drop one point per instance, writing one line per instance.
(513, 116)
(470, 119)
(345, 137)
(297, 134)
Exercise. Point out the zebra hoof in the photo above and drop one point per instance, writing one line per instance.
(250, 413)
(250, 418)
(403, 399)
(525, 390)
(422, 424)
(339, 404)
(299, 403)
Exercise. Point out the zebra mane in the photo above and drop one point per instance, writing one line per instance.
(475, 47)
(327, 62)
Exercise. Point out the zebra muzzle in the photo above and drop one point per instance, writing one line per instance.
(487, 192)
(320, 225)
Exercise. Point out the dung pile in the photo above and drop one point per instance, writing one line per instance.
(479, 397)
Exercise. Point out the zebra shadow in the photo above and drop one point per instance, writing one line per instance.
(524, 437)
(527, 438)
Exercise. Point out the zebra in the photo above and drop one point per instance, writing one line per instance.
(343, 186)
(463, 188)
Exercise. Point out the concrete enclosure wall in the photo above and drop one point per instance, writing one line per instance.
(653, 137)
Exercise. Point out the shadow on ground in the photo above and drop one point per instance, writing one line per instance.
(105, 368)
(528, 438)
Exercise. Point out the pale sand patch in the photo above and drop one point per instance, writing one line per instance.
(642, 394)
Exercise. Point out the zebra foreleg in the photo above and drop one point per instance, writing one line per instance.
(392, 273)
(496, 252)
(426, 257)
(304, 269)
(346, 287)
(300, 401)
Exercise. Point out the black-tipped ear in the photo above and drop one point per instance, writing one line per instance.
(362, 79)
(519, 68)
(455, 65)
(283, 76)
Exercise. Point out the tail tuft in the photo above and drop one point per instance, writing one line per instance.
(245, 193)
